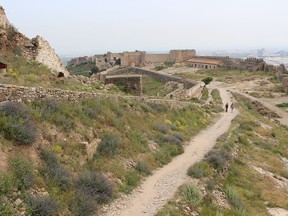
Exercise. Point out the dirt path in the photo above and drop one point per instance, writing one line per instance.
(161, 186)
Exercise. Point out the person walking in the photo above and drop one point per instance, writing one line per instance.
(232, 107)
(226, 107)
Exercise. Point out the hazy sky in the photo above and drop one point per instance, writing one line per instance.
(94, 26)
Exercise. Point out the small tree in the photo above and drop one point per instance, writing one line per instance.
(207, 80)
(94, 69)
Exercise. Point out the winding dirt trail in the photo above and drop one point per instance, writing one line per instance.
(157, 189)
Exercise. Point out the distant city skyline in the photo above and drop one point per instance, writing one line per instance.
(92, 26)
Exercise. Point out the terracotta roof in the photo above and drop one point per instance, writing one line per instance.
(206, 61)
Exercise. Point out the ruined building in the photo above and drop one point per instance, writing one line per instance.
(133, 59)
(37, 49)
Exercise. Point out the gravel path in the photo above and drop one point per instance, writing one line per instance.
(157, 189)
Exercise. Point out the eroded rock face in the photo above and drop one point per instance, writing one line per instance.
(37, 49)
(4, 22)
(46, 55)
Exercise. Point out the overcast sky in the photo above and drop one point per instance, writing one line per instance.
(93, 26)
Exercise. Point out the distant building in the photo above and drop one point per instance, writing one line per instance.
(3, 67)
(206, 63)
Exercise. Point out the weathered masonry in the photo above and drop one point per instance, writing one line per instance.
(130, 83)
(191, 89)
(134, 59)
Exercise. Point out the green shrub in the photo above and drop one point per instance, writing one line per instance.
(161, 127)
(95, 185)
(43, 206)
(109, 144)
(161, 108)
(198, 170)
(217, 159)
(159, 67)
(94, 70)
(234, 199)
(6, 183)
(210, 184)
(6, 209)
(191, 194)
(282, 105)
(130, 181)
(169, 63)
(207, 80)
(217, 109)
(54, 170)
(15, 123)
(178, 136)
(205, 94)
(59, 113)
(84, 205)
(23, 172)
(215, 93)
(165, 154)
(141, 166)
(65, 123)
(243, 140)
(169, 139)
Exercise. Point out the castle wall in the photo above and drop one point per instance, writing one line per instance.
(133, 59)
(181, 55)
(156, 58)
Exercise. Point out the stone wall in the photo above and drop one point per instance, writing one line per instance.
(157, 75)
(4, 22)
(191, 88)
(27, 94)
(137, 58)
(181, 55)
(140, 58)
(156, 58)
(187, 93)
(131, 83)
(133, 59)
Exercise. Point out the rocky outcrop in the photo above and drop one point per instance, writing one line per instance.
(4, 22)
(37, 49)
(46, 55)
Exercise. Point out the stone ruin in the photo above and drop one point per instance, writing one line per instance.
(129, 83)
(37, 49)
(132, 59)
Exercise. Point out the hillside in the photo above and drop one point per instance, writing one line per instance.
(72, 145)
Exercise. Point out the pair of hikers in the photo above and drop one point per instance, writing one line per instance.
(231, 107)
